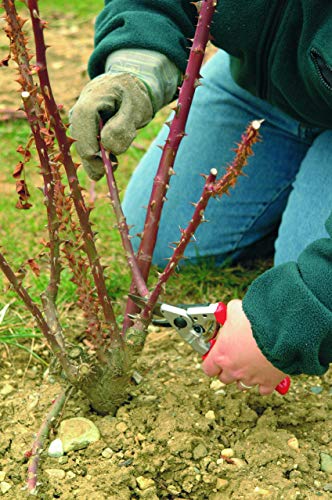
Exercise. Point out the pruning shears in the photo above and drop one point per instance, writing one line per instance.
(198, 325)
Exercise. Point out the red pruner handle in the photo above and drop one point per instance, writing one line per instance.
(283, 386)
(211, 342)
(221, 315)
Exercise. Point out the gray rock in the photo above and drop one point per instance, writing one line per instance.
(77, 433)
(199, 452)
(55, 473)
(326, 463)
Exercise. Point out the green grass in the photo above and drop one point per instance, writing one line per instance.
(21, 231)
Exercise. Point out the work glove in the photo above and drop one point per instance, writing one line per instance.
(135, 85)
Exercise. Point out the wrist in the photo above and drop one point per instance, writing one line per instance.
(160, 76)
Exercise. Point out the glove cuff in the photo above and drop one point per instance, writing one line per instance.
(156, 71)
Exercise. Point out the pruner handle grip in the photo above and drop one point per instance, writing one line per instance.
(221, 316)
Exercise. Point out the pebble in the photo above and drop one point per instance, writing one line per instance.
(173, 490)
(326, 463)
(70, 475)
(293, 443)
(55, 449)
(144, 482)
(5, 487)
(239, 462)
(56, 473)
(221, 392)
(227, 452)
(216, 384)
(221, 483)
(63, 460)
(107, 453)
(7, 389)
(2, 475)
(77, 433)
(121, 427)
(327, 487)
(199, 452)
(316, 389)
(210, 415)
(261, 491)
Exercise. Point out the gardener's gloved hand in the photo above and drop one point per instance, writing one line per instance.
(136, 84)
(235, 357)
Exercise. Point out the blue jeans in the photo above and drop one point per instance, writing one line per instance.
(283, 201)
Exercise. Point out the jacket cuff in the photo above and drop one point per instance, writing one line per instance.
(291, 326)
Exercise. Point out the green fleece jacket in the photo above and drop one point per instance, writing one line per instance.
(280, 51)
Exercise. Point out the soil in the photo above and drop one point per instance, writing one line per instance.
(167, 441)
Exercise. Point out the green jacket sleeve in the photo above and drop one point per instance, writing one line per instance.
(290, 310)
(150, 24)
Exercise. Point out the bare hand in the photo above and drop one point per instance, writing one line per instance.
(236, 357)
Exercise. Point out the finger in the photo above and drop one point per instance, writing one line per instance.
(84, 129)
(210, 368)
(118, 133)
(94, 168)
(226, 377)
(265, 390)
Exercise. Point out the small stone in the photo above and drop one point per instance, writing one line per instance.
(5, 487)
(144, 482)
(239, 462)
(316, 389)
(210, 415)
(77, 433)
(55, 449)
(70, 475)
(325, 438)
(2, 475)
(140, 437)
(56, 473)
(107, 453)
(19, 372)
(221, 392)
(262, 491)
(317, 484)
(221, 484)
(121, 427)
(216, 385)
(7, 389)
(327, 487)
(227, 452)
(173, 490)
(63, 460)
(199, 452)
(293, 443)
(326, 463)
